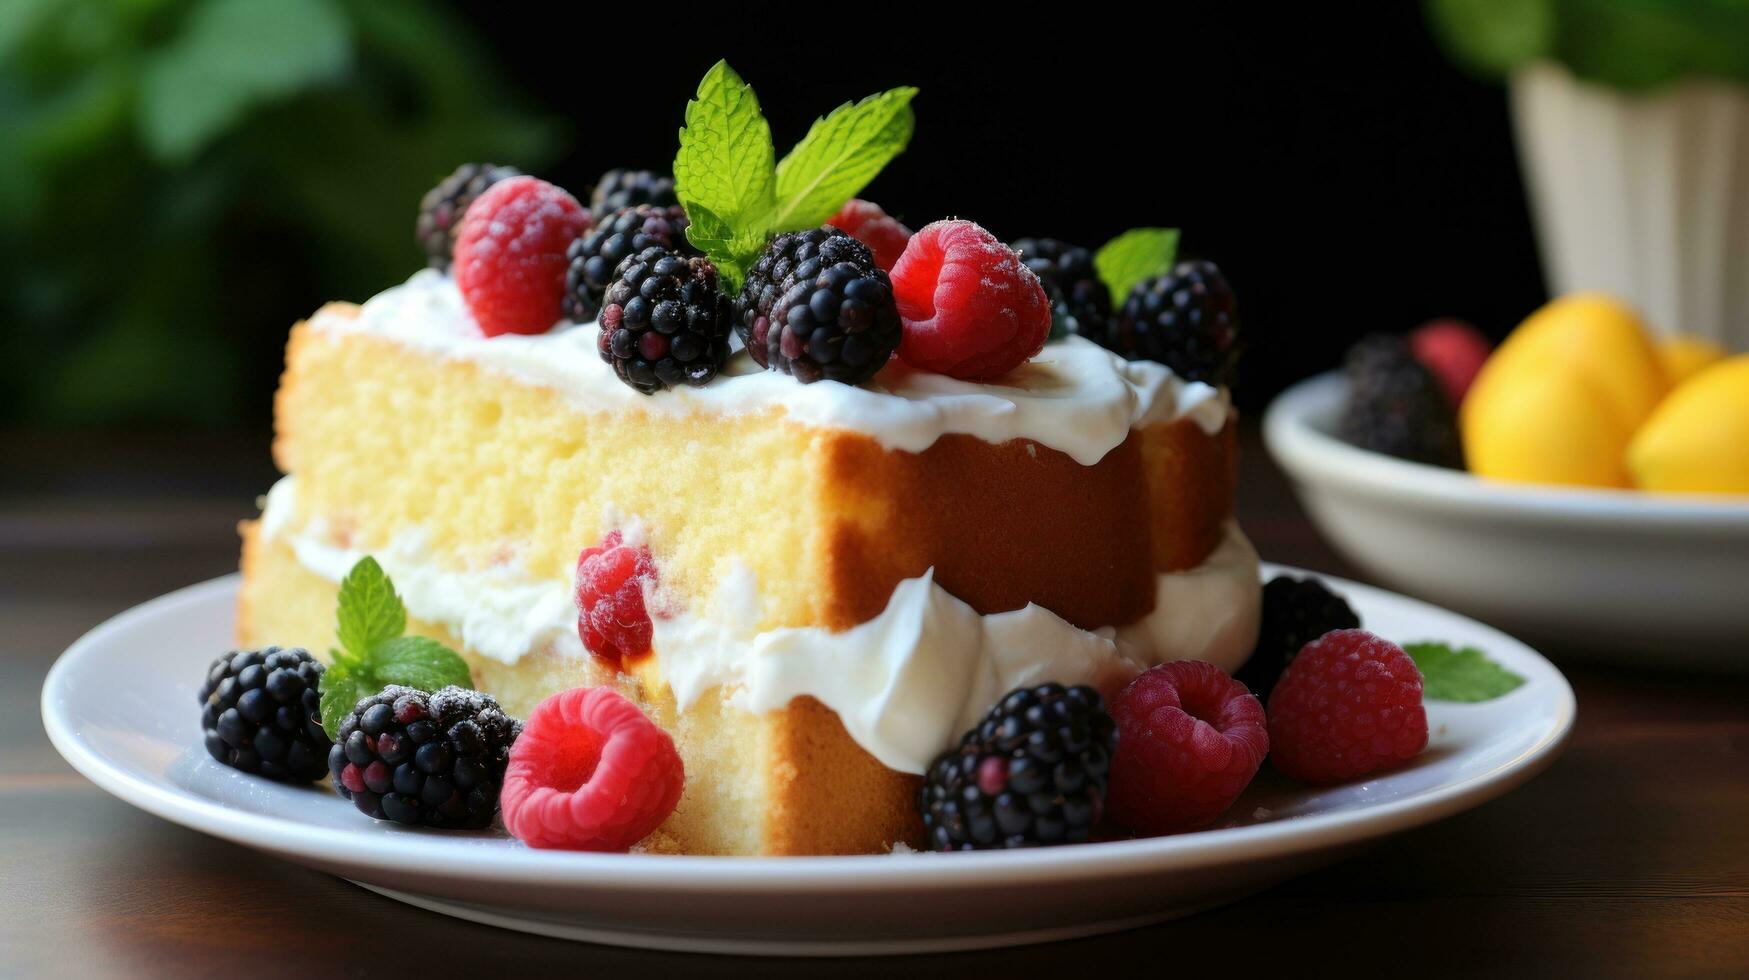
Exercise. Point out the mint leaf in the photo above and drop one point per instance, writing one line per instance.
(420, 662)
(1460, 675)
(1135, 255)
(341, 692)
(725, 173)
(370, 613)
(842, 152)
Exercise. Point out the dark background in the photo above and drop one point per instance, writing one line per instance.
(1346, 175)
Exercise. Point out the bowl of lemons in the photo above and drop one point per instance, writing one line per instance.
(1585, 483)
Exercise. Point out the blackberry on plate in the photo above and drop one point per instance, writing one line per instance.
(622, 188)
(440, 212)
(1296, 611)
(1080, 301)
(815, 305)
(261, 713)
(1187, 320)
(624, 233)
(1032, 773)
(665, 322)
(435, 760)
(1396, 405)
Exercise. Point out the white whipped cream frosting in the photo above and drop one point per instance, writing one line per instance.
(1075, 396)
(905, 683)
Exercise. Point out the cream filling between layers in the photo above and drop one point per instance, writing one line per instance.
(1075, 396)
(905, 683)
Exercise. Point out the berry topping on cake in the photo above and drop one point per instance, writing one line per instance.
(1296, 611)
(433, 760)
(816, 306)
(1454, 351)
(1349, 705)
(1189, 740)
(1396, 406)
(971, 308)
(1032, 773)
(611, 617)
(261, 713)
(665, 322)
(1080, 301)
(868, 224)
(510, 254)
(440, 213)
(1187, 320)
(620, 188)
(590, 773)
(618, 236)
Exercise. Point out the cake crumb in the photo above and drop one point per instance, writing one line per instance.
(1262, 813)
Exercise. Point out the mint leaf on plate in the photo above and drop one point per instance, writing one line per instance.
(1464, 674)
(341, 692)
(842, 152)
(1134, 256)
(370, 613)
(725, 173)
(421, 662)
(370, 622)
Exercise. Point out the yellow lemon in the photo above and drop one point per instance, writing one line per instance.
(1536, 426)
(1601, 337)
(1698, 439)
(1685, 354)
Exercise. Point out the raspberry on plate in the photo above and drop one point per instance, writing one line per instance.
(1349, 705)
(1190, 739)
(590, 773)
(971, 308)
(869, 224)
(611, 618)
(510, 254)
(1454, 351)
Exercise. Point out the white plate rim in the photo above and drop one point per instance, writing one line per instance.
(1308, 452)
(861, 873)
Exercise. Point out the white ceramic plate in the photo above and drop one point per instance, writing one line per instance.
(1659, 579)
(120, 704)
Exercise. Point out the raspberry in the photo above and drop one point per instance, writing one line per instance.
(1189, 741)
(510, 254)
(590, 773)
(611, 617)
(1295, 612)
(971, 308)
(1396, 406)
(1348, 705)
(1454, 351)
(868, 224)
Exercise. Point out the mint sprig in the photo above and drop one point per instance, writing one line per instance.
(374, 653)
(737, 196)
(1462, 674)
(1133, 257)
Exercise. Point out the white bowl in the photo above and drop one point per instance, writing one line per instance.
(1653, 578)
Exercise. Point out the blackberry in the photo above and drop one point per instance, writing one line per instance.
(623, 233)
(261, 713)
(1080, 301)
(1395, 405)
(815, 305)
(619, 188)
(441, 210)
(665, 323)
(1186, 320)
(1032, 773)
(435, 760)
(1296, 611)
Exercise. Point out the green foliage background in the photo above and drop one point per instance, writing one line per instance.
(179, 177)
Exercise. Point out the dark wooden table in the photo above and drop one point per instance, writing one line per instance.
(1630, 857)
